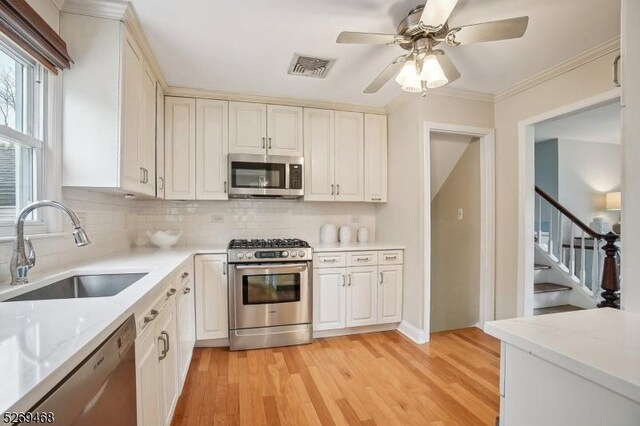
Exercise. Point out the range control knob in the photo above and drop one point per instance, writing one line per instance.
(301, 253)
(240, 255)
(294, 254)
(285, 254)
(249, 255)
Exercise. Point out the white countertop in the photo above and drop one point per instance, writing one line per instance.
(42, 341)
(601, 345)
(354, 246)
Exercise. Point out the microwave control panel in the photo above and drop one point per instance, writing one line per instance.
(295, 176)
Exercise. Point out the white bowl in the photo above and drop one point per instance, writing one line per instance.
(164, 239)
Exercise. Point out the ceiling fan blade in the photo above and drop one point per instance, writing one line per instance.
(386, 75)
(449, 69)
(437, 12)
(367, 38)
(488, 31)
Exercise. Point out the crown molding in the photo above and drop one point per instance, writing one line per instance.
(583, 58)
(445, 91)
(243, 97)
(121, 10)
(57, 4)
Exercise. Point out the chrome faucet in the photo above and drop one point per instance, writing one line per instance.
(22, 261)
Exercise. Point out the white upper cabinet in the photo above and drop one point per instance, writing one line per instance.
(375, 158)
(180, 148)
(159, 142)
(212, 144)
(349, 156)
(109, 108)
(247, 128)
(319, 159)
(284, 130)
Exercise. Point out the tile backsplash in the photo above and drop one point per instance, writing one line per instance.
(217, 222)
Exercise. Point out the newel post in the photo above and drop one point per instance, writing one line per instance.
(610, 281)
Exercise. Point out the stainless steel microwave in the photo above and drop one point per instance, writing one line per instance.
(265, 176)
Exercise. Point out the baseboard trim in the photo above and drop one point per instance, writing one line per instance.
(413, 333)
(213, 343)
(354, 330)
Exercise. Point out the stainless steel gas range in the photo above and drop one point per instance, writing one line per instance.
(270, 293)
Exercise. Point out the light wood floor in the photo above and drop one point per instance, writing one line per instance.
(370, 379)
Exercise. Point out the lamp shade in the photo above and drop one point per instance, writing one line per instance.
(613, 201)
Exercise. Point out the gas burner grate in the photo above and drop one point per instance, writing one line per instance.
(263, 244)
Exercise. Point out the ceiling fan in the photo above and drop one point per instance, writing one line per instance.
(425, 27)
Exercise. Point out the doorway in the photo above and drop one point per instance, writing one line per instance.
(455, 231)
(486, 185)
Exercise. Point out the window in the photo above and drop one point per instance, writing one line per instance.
(21, 132)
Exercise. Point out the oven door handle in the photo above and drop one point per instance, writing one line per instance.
(294, 266)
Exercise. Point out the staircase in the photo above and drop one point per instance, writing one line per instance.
(575, 267)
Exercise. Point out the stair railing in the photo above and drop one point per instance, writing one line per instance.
(555, 225)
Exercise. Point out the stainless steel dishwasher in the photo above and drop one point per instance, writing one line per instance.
(102, 389)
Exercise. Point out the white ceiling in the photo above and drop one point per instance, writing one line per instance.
(246, 45)
(601, 124)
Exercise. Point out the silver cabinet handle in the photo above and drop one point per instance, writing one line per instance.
(184, 275)
(225, 186)
(152, 315)
(187, 290)
(349, 275)
(164, 338)
(269, 143)
(141, 175)
(146, 176)
(361, 259)
(616, 74)
(344, 280)
(390, 257)
(264, 142)
(376, 199)
(332, 189)
(338, 189)
(171, 292)
(330, 260)
(161, 179)
(381, 277)
(224, 268)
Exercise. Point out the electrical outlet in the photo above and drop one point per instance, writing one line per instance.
(356, 219)
(217, 218)
(460, 213)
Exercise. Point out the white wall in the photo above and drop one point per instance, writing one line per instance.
(631, 154)
(401, 219)
(446, 150)
(588, 80)
(217, 222)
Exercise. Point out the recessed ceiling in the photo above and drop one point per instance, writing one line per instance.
(246, 45)
(600, 124)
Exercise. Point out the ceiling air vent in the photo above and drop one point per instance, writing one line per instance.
(309, 66)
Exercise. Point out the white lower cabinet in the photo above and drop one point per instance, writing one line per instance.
(186, 328)
(362, 296)
(211, 297)
(355, 296)
(168, 357)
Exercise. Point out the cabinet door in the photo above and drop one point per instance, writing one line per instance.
(389, 293)
(132, 176)
(284, 130)
(329, 290)
(147, 133)
(247, 128)
(362, 295)
(186, 330)
(159, 142)
(211, 297)
(349, 156)
(375, 158)
(147, 379)
(319, 155)
(212, 144)
(168, 355)
(180, 148)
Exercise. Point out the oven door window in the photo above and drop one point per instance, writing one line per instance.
(272, 288)
(258, 175)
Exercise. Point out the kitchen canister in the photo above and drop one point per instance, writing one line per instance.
(363, 235)
(329, 233)
(345, 234)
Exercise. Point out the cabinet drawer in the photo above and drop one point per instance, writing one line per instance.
(362, 258)
(329, 260)
(390, 257)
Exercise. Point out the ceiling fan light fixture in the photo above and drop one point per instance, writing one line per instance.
(432, 72)
(408, 72)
